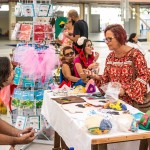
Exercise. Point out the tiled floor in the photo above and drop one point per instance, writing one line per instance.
(100, 47)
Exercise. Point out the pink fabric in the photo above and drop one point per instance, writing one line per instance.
(77, 60)
(5, 95)
(37, 64)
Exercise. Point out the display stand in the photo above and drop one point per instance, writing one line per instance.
(39, 38)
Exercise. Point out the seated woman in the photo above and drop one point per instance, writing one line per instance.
(85, 59)
(9, 135)
(68, 65)
(125, 65)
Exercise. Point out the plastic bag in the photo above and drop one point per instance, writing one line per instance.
(112, 90)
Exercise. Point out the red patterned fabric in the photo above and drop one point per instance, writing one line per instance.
(121, 70)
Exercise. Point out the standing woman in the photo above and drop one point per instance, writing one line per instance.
(8, 134)
(119, 68)
(85, 59)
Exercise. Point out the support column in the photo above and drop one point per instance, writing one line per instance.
(89, 18)
(12, 18)
(137, 26)
(82, 11)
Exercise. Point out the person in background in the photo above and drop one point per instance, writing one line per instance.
(9, 135)
(133, 42)
(119, 68)
(68, 65)
(80, 27)
(85, 59)
(62, 39)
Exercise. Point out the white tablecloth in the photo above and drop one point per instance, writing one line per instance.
(70, 126)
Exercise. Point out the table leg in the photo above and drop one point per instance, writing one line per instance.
(56, 142)
(143, 144)
(63, 145)
(99, 147)
(94, 147)
(102, 147)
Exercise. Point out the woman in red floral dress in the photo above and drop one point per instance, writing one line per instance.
(119, 67)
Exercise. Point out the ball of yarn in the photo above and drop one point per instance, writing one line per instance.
(105, 125)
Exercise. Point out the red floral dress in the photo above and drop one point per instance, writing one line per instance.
(121, 70)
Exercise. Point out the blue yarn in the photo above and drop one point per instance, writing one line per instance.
(124, 107)
(79, 82)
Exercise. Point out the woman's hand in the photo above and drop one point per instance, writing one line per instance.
(93, 66)
(26, 130)
(90, 74)
(66, 34)
(96, 56)
(122, 92)
(26, 138)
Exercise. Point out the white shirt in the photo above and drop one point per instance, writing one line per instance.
(137, 46)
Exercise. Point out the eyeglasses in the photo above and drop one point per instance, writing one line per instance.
(108, 39)
(69, 54)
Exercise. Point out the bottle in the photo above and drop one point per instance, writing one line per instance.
(71, 148)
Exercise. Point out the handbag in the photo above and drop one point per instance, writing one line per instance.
(146, 105)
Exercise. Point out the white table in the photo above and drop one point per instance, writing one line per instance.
(71, 128)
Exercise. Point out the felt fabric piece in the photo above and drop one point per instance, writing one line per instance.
(65, 83)
(91, 89)
(146, 127)
(145, 121)
(69, 99)
(79, 82)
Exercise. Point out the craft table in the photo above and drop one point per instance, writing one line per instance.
(70, 126)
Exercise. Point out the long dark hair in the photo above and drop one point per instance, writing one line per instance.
(4, 70)
(84, 44)
(82, 54)
(133, 35)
